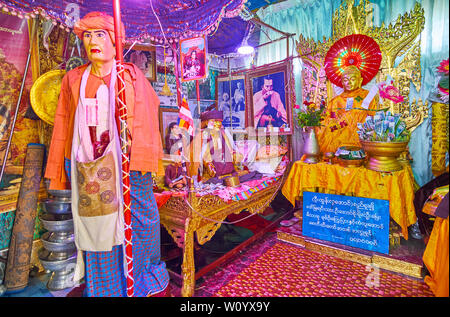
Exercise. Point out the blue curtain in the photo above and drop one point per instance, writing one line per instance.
(312, 19)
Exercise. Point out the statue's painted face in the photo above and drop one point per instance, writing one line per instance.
(99, 46)
(217, 124)
(351, 80)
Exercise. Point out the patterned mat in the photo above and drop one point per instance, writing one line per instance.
(285, 270)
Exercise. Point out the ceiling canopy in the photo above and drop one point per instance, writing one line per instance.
(143, 19)
(225, 22)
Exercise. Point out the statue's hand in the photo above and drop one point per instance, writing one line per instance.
(211, 169)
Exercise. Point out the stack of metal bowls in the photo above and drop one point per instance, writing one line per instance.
(58, 255)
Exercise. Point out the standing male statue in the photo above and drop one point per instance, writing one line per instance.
(85, 136)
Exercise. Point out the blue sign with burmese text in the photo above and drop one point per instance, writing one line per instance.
(354, 221)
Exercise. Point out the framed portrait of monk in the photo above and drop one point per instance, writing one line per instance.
(269, 98)
(144, 57)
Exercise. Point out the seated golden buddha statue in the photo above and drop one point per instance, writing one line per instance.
(344, 112)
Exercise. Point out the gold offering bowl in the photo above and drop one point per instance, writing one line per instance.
(383, 155)
(350, 163)
(232, 181)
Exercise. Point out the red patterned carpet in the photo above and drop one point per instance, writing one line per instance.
(289, 271)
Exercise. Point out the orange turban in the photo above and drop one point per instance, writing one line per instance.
(98, 20)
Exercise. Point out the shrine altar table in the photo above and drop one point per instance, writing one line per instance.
(397, 187)
(186, 215)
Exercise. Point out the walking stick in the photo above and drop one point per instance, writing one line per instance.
(125, 149)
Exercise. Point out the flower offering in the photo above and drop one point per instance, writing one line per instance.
(443, 85)
(311, 116)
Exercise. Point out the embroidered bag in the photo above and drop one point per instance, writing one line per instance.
(97, 187)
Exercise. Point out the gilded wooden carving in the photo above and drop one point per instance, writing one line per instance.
(186, 217)
(440, 145)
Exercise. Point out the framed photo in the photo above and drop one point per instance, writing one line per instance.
(269, 99)
(203, 104)
(230, 96)
(193, 53)
(144, 57)
(166, 117)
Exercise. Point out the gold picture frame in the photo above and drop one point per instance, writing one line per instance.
(166, 116)
(279, 75)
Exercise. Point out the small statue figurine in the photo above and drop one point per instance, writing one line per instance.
(175, 176)
(218, 150)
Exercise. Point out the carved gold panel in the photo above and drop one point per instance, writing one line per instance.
(382, 261)
(440, 145)
(184, 217)
(208, 212)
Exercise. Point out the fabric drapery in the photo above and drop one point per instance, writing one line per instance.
(435, 258)
(142, 19)
(105, 270)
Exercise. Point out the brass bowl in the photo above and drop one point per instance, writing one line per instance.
(44, 94)
(350, 163)
(383, 155)
(232, 181)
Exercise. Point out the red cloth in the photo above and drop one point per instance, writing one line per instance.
(254, 223)
(162, 198)
(142, 104)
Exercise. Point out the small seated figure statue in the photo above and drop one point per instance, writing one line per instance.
(175, 175)
(217, 151)
(348, 108)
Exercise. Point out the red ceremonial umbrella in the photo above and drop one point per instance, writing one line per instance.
(358, 50)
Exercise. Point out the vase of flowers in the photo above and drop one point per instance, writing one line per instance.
(307, 119)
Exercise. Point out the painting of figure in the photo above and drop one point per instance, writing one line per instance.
(269, 101)
(193, 58)
(231, 100)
